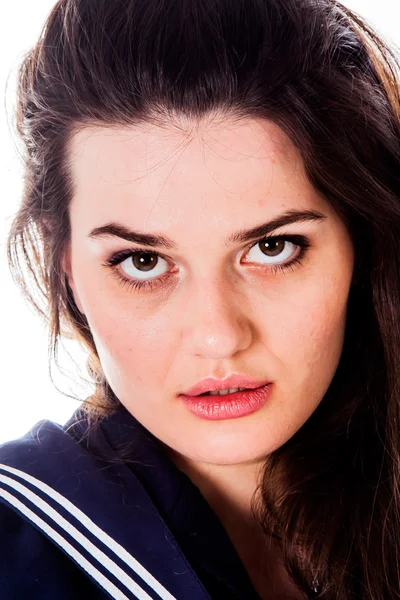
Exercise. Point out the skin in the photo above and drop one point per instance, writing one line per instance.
(216, 313)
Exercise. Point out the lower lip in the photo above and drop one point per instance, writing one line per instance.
(231, 406)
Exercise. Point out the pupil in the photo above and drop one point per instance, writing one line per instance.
(148, 262)
(273, 247)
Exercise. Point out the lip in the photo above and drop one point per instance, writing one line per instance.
(230, 406)
(213, 384)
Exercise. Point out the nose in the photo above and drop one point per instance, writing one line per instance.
(215, 323)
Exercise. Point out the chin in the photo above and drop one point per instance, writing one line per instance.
(225, 450)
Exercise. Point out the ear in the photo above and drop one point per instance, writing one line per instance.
(67, 268)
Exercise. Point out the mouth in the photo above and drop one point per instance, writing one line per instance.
(225, 392)
(230, 405)
(234, 383)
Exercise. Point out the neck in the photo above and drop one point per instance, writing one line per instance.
(229, 490)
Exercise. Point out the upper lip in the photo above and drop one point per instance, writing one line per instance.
(212, 384)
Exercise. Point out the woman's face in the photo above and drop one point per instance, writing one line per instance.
(274, 313)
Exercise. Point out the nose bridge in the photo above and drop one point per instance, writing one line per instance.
(215, 324)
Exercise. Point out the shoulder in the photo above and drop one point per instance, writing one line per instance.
(44, 467)
(45, 449)
(48, 452)
(77, 508)
(42, 437)
(31, 565)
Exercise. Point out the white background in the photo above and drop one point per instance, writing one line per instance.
(27, 394)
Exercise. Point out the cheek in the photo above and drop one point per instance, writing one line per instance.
(130, 335)
(309, 339)
(129, 345)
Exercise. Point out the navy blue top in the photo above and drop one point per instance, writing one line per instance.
(77, 522)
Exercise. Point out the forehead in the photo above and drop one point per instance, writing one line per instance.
(168, 174)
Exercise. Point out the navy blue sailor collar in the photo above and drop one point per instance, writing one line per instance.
(189, 517)
(138, 527)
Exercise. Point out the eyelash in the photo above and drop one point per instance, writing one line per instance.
(298, 240)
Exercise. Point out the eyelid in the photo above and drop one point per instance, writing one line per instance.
(299, 240)
(117, 257)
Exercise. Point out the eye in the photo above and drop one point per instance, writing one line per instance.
(139, 265)
(272, 251)
(141, 268)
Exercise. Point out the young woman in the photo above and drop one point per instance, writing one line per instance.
(212, 207)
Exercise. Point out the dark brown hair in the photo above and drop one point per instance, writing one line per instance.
(330, 496)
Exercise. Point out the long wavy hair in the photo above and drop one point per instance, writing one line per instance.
(330, 495)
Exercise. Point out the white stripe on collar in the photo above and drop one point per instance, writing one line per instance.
(85, 564)
(86, 522)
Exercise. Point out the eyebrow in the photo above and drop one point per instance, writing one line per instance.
(155, 240)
